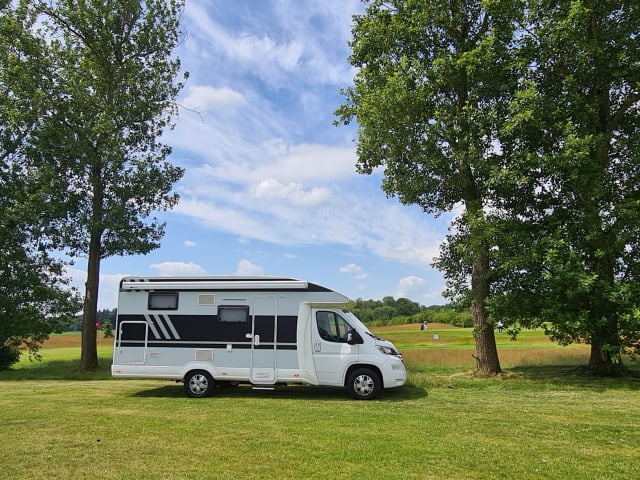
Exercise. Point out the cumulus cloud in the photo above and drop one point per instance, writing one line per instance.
(203, 98)
(169, 269)
(354, 270)
(293, 193)
(308, 164)
(234, 219)
(109, 286)
(409, 286)
(245, 267)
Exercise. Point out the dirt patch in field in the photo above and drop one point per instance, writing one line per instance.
(62, 341)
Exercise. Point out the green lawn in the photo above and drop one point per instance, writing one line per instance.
(534, 422)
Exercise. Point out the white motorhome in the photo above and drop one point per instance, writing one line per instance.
(265, 331)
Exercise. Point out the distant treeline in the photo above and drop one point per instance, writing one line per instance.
(387, 311)
(103, 317)
(390, 311)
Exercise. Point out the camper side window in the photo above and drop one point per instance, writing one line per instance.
(163, 301)
(235, 314)
(332, 327)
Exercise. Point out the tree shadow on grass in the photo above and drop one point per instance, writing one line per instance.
(56, 370)
(575, 376)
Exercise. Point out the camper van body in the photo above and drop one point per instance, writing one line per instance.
(264, 331)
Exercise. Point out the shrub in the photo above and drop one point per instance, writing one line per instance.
(8, 356)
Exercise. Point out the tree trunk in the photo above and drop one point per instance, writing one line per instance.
(487, 362)
(602, 362)
(89, 351)
(605, 358)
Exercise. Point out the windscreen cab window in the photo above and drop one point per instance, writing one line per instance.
(233, 314)
(332, 327)
(162, 301)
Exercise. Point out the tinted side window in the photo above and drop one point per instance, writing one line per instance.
(332, 327)
(233, 314)
(162, 301)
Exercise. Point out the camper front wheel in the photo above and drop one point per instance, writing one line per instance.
(198, 384)
(364, 384)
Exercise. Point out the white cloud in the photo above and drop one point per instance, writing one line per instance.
(276, 160)
(203, 98)
(409, 286)
(108, 288)
(293, 193)
(169, 269)
(287, 214)
(245, 267)
(189, 243)
(355, 270)
(231, 219)
(277, 41)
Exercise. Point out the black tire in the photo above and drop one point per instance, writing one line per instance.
(198, 384)
(364, 384)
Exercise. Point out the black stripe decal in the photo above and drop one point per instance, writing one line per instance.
(178, 344)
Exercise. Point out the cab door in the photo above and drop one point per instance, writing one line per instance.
(332, 355)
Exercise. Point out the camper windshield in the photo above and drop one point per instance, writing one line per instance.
(355, 322)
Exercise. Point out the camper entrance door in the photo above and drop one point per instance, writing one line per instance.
(263, 347)
(132, 343)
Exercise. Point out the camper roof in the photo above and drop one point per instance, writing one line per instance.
(225, 282)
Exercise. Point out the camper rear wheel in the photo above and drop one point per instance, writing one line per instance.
(198, 384)
(364, 384)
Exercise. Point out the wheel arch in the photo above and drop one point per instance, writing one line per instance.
(356, 366)
(190, 367)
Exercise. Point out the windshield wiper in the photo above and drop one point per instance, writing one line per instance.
(373, 336)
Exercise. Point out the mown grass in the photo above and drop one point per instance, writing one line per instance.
(544, 420)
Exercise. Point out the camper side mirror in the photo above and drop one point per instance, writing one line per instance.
(353, 337)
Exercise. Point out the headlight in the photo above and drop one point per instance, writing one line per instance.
(387, 350)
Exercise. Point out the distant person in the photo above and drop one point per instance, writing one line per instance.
(500, 327)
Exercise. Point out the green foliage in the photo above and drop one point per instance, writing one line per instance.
(434, 81)
(402, 311)
(526, 115)
(572, 257)
(97, 78)
(107, 330)
(35, 299)
(387, 311)
(451, 315)
(9, 355)
(104, 316)
(114, 99)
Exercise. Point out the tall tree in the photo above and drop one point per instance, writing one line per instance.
(34, 299)
(433, 80)
(100, 149)
(575, 138)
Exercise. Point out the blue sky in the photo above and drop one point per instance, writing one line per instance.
(270, 186)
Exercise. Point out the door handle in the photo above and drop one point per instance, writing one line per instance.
(256, 340)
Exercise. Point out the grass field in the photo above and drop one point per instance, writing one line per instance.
(542, 419)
